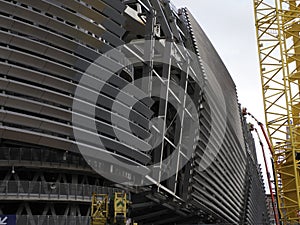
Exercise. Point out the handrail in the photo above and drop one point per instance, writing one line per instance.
(51, 190)
(41, 156)
(51, 219)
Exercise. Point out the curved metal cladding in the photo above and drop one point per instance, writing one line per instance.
(256, 211)
(255, 206)
(45, 48)
(50, 49)
(221, 162)
(44, 56)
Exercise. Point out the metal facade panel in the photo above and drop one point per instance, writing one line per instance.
(47, 47)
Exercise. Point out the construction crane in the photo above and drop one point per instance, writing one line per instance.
(278, 27)
(110, 211)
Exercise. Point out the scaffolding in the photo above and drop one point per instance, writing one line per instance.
(277, 26)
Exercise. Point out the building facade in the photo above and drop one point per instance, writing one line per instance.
(270, 209)
(110, 95)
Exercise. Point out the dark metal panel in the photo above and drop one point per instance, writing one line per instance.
(51, 55)
(116, 4)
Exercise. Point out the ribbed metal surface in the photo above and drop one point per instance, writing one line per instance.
(256, 212)
(255, 203)
(221, 187)
(45, 49)
(46, 46)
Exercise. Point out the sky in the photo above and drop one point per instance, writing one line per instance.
(230, 27)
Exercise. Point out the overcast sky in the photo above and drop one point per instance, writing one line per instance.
(230, 27)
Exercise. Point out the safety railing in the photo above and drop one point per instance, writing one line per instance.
(51, 190)
(53, 220)
(41, 156)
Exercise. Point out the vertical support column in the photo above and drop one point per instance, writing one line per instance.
(149, 51)
(163, 104)
(181, 112)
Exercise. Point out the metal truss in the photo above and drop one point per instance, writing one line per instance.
(159, 14)
(49, 182)
(277, 24)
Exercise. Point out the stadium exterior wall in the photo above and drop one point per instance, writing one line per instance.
(47, 50)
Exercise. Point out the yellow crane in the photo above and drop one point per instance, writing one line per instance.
(278, 27)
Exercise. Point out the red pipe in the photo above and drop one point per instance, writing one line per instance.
(268, 176)
(266, 137)
(244, 112)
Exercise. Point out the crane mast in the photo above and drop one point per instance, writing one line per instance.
(278, 27)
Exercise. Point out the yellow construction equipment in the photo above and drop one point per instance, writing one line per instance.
(99, 210)
(278, 27)
(110, 211)
(120, 208)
